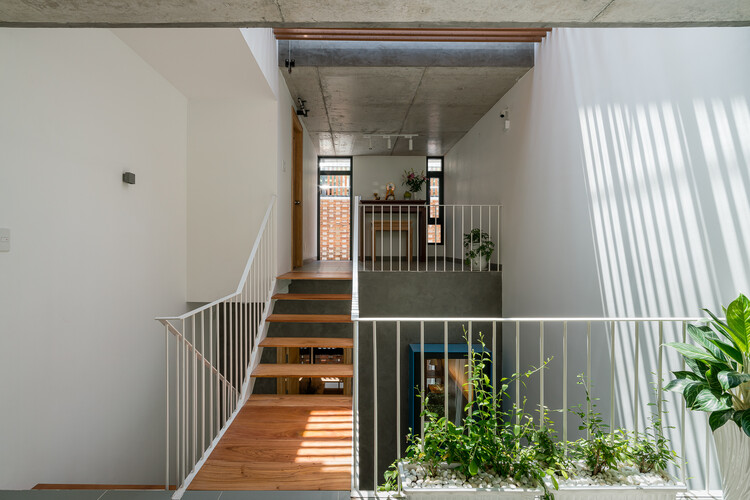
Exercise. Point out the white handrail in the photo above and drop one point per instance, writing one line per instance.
(620, 332)
(212, 372)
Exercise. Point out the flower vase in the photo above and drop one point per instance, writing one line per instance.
(407, 195)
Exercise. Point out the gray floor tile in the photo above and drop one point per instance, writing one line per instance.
(200, 495)
(51, 495)
(280, 495)
(139, 495)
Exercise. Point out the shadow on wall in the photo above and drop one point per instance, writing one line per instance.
(669, 198)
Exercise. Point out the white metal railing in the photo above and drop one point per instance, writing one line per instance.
(215, 349)
(421, 237)
(628, 370)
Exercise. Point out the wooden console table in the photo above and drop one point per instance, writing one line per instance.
(387, 207)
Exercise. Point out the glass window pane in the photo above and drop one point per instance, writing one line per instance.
(337, 164)
(434, 233)
(434, 197)
(434, 164)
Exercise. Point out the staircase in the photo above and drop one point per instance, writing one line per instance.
(284, 437)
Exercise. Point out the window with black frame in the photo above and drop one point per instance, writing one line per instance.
(435, 188)
(334, 208)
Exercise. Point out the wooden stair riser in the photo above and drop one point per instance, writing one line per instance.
(313, 307)
(320, 286)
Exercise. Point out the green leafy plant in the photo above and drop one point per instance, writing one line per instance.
(601, 450)
(548, 451)
(478, 244)
(488, 440)
(649, 450)
(718, 381)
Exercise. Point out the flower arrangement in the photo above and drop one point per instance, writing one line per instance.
(413, 180)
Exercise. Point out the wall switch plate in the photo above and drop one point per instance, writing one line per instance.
(4, 240)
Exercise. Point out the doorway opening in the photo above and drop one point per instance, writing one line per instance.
(334, 208)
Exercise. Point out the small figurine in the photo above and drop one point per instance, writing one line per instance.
(375, 196)
(390, 191)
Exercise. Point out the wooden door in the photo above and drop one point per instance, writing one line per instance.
(297, 205)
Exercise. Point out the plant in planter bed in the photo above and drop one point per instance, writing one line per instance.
(487, 451)
(718, 382)
(498, 454)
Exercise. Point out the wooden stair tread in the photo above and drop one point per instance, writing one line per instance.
(288, 442)
(309, 318)
(313, 296)
(334, 342)
(313, 275)
(300, 400)
(299, 370)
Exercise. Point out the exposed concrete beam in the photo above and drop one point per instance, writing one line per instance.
(313, 53)
(375, 13)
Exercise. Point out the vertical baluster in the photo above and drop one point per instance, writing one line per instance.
(612, 385)
(355, 404)
(398, 392)
(210, 373)
(480, 234)
(375, 401)
(518, 370)
(177, 461)
(683, 463)
(195, 392)
(565, 387)
(636, 398)
(421, 378)
(166, 389)
(426, 237)
(227, 374)
(203, 384)
(382, 237)
(445, 373)
(499, 236)
(494, 371)
(453, 233)
(408, 246)
(185, 469)
(708, 455)
(659, 380)
(541, 375)
(390, 238)
(471, 350)
(588, 371)
(463, 207)
(471, 229)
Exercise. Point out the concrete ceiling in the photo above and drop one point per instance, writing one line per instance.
(436, 90)
(390, 13)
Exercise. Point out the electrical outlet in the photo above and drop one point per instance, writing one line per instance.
(4, 240)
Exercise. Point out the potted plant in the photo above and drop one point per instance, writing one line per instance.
(413, 181)
(479, 249)
(718, 382)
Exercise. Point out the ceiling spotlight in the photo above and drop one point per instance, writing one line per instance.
(411, 144)
(370, 137)
(389, 141)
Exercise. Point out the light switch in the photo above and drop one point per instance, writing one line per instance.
(4, 240)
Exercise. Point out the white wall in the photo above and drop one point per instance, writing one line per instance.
(624, 179)
(310, 195)
(372, 173)
(92, 260)
(231, 166)
(262, 43)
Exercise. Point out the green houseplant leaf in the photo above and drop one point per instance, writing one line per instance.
(719, 418)
(693, 352)
(738, 320)
(730, 380)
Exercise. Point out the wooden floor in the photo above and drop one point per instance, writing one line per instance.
(284, 442)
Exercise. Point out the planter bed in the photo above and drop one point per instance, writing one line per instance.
(580, 488)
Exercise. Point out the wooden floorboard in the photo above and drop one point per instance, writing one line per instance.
(298, 370)
(313, 296)
(316, 275)
(309, 318)
(289, 442)
(333, 342)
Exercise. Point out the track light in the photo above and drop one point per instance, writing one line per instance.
(389, 141)
(411, 144)
(302, 111)
(370, 137)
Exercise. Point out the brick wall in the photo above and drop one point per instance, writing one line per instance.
(334, 228)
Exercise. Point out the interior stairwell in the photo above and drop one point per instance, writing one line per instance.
(294, 433)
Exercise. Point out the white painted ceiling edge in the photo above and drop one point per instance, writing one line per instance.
(202, 63)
